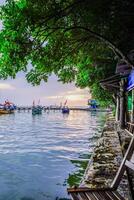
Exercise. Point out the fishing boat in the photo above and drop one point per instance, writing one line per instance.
(6, 111)
(7, 108)
(65, 109)
(36, 110)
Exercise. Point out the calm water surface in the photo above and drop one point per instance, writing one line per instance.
(41, 155)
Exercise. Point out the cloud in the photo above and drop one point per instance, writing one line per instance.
(77, 91)
(6, 86)
(51, 93)
(53, 97)
(75, 95)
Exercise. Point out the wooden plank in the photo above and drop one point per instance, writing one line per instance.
(111, 194)
(74, 196)
(101, 195)
(83, 196)
(130, 123)
(129, 165)
(118, 195)
(86, 189)
(91, 196)
(107, 197)
(127, 131)
(122, 167)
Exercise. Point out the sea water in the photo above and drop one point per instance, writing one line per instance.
(42, 155)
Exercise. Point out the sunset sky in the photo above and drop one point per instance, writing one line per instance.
(51, 93)
(22, 93)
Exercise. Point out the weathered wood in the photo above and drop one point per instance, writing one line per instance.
(122, 167)
(75, 197)
(97, 195)
(130, 165)
(102, 195)
(129, 132)
(86, 189)
(130, 123)
(91, 196)
(83, 196)
(108, 194)
(118, 195)
(117, 108)
(130, 128)
(111, 195)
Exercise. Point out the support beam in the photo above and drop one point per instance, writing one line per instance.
(117, 108)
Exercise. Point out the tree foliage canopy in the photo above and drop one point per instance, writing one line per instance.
(78, 40)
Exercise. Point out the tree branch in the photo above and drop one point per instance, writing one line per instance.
(100, 37)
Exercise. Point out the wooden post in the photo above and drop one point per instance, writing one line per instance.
(122, 104)
(117, 108)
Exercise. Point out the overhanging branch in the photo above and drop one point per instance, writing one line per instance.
(98, 36)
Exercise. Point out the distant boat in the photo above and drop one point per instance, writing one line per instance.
(65, 110)
(36, 110)
(7, 108)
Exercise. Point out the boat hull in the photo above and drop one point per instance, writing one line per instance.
(36, 110)
(6, 112)
(65, 110)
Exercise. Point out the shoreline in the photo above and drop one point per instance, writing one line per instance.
(105, 160)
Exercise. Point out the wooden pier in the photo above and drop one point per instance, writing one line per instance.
(45, 108)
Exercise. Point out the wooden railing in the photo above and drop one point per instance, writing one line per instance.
(130, 128)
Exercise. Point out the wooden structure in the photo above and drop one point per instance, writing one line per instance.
(130, 128)
(118, 86)
(107, 193)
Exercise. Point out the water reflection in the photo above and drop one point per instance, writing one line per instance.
(41, 155)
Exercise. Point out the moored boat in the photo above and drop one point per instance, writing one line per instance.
(6, 111)
(7, 108)
(65, 110)
(36, 110)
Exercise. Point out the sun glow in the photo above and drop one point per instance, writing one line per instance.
(73, 97)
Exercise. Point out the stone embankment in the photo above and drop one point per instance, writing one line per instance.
(106, 160)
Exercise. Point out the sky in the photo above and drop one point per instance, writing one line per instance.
(53, 92)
